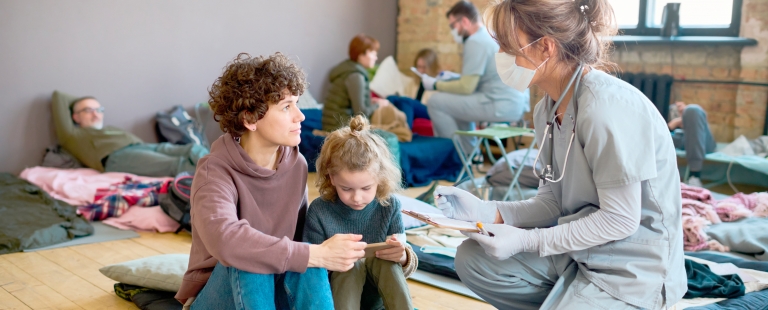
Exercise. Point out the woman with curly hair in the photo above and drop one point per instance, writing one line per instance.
(249, 198)
(357, 176)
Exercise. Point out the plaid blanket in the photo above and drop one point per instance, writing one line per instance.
(114, 200)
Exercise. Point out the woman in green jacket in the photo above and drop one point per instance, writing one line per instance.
(349, 94)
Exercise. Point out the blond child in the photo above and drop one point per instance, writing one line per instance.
(357, 176)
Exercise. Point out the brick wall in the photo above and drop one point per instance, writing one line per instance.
(733, 110)
(720, 63)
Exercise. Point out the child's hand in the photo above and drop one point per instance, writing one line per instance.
(396, 254)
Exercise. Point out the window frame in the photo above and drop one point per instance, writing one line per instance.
(642, 28)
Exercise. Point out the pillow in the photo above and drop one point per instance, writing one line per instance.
(412, 204)
(306, 101)
(161, 272)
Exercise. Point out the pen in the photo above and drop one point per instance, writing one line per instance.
(482, 230)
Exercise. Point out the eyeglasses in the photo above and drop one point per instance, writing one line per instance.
(91, 110)
(453, 23)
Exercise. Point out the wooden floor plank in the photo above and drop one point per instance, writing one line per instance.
(29, 290)
(132, 247)
(428, 297)
(113, 252)
(72, 287)
(166, 243)
(9, 302)
(80, 266)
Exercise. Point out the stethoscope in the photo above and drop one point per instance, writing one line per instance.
(547, 173)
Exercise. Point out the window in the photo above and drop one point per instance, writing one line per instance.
(697, 17)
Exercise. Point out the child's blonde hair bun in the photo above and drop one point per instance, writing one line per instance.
(358, 124)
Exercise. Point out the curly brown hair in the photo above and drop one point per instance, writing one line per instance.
(357, 148)
(247, 87)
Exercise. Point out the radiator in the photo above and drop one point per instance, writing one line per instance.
(658, 88)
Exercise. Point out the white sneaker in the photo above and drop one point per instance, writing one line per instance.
(694, 181)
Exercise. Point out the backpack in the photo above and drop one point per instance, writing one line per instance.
(389, 118)
(178, 127)
(175, 201)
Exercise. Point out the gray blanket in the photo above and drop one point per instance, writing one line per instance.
(748, 236)
(30, 218)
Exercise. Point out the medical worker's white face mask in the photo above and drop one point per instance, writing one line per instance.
(456, 36)
(513, 75)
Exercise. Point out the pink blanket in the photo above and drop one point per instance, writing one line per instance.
(144, 219)
(700, 210)
(76, 186)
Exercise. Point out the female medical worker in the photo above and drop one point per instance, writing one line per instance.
(604, 230)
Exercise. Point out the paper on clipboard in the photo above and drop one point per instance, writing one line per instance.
(440, 220)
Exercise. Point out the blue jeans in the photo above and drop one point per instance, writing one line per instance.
(412, 108)
(231, 288)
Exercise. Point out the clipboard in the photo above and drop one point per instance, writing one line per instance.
(441, 221)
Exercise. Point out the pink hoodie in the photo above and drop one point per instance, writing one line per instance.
(246, 216)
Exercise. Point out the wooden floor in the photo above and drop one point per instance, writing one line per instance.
(68, 278)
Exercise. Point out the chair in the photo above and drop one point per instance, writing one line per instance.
(495, 133)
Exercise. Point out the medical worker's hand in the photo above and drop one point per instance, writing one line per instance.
(507, 240)
(428, 82)
(448, 75)
(462, 205)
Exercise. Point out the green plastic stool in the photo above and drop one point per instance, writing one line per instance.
(495, 133)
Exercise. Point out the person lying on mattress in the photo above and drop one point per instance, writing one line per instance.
(249, 199)
(79, 126)
(357, 175)
(691, 133)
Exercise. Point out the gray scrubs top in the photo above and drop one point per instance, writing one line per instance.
(621, 139)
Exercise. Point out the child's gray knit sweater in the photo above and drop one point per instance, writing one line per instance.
(375, 222)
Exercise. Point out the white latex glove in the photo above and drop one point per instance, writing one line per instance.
(447, 75)
(507, 240)
(427, 81)
(462, 205)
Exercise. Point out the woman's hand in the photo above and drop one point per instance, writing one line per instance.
(396, 254)
(338, 253)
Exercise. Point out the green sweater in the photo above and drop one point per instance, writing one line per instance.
(375, 222)
(348, 95)
(88, 145)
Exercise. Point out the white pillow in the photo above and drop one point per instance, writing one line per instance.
(161, 272)
(306, 101)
